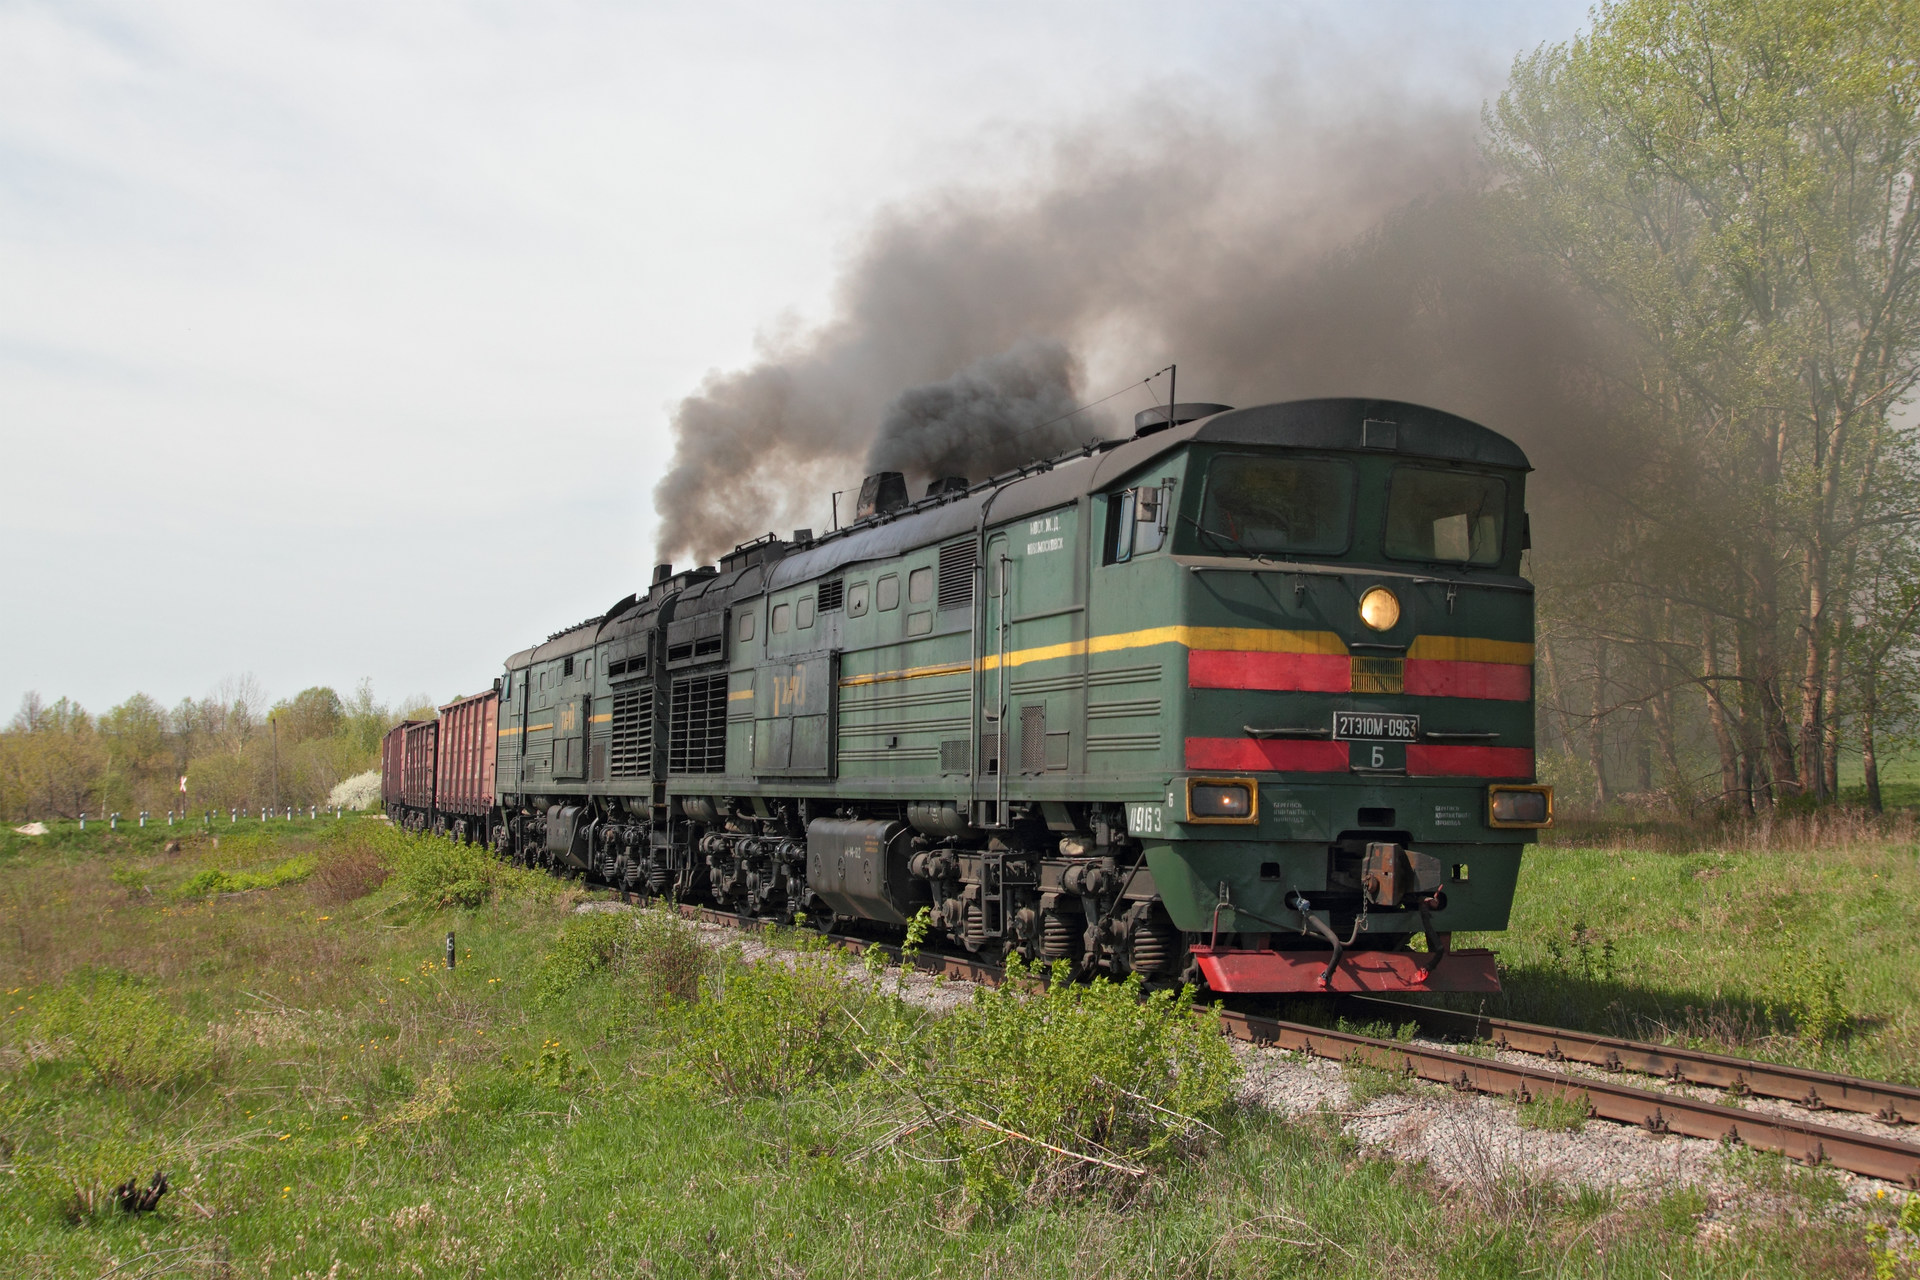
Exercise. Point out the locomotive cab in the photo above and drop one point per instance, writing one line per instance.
(1356, 727)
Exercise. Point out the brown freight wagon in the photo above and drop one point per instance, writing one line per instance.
(468, 743)
(393, 756)
(416, 771)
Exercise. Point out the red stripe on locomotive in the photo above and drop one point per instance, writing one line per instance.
(1428, 760)
(1266, 755)
(1443, 678)
(1288, 672)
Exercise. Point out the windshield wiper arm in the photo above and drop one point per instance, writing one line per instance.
(1219, 537)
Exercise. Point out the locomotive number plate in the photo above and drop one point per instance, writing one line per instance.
(1375, 726)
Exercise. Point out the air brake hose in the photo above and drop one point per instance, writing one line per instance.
(1299, 903)
(1437, 943)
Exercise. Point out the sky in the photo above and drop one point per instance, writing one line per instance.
(339, 341)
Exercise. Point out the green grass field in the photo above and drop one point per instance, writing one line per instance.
(328, 1100)
(1799, 953)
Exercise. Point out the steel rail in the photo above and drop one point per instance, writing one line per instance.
(1867, 1153)
(1815, 1090)
(1871, 1154)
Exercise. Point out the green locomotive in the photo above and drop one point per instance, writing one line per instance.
(1244, 700)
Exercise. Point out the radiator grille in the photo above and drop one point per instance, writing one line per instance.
(697, 735)
(632, 753)
(956, 575)
(831, 594)
(1377, 675)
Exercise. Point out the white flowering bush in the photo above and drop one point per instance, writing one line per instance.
(361, 791)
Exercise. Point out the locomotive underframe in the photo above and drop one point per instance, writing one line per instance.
(1059, 881)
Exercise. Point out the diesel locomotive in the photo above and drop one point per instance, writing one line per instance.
(1245, 700)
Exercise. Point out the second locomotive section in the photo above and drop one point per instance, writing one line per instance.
(1246, 699)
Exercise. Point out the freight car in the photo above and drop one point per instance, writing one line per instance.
(1245, 700)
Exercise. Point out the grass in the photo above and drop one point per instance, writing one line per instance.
(1802, 952)
(327, 1099)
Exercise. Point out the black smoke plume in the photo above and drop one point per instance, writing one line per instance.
(993, 415)
(1295, 256)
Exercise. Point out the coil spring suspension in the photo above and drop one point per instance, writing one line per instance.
(974, 927)
(1059, 939)
(1155, 945)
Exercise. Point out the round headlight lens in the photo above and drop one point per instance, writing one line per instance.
(1379, 609)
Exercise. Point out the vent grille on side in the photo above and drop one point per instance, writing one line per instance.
(697, 734)
(831, 594)
(953, 755)
(632, 738)
(956, 575)
(1033, 739)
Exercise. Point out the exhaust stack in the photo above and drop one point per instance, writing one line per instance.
(881, 492)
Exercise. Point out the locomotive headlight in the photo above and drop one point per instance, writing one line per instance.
(1223, 800)
(1379, 608)
(1519, 806)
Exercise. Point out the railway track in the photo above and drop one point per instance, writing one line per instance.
(1874, 1155)
(1814, 1090)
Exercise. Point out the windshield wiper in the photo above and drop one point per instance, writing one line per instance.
(1219, 537)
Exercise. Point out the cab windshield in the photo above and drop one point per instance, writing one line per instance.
(1445, 515)
(1259, 504)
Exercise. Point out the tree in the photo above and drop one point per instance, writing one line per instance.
(1736, 183)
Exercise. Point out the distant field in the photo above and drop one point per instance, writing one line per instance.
(1899, 781)
(329, 1100)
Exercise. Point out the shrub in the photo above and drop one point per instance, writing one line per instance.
(1810, 986)
(80, 1180)
(122, 1031)
(1073, 1087)
(775, 1027)
(361, 791)
(657, 949)
(587, 945)
(212, 880)
(666, 956)
(433, 871)
(346, 871)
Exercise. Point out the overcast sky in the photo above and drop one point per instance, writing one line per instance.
(340, 340)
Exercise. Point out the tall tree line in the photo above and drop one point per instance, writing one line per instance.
(1731, 185)
(234, 748)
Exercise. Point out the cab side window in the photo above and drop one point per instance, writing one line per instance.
(1137, 522)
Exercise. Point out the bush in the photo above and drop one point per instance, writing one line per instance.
(1811, 986)
(361, 791)
(346, 871)
(212, 880)
(80, 1180)
(781, 1025)
(433, 871)
(657, 949)
(587, 945)
(1074, 1087)
(123, 1032)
